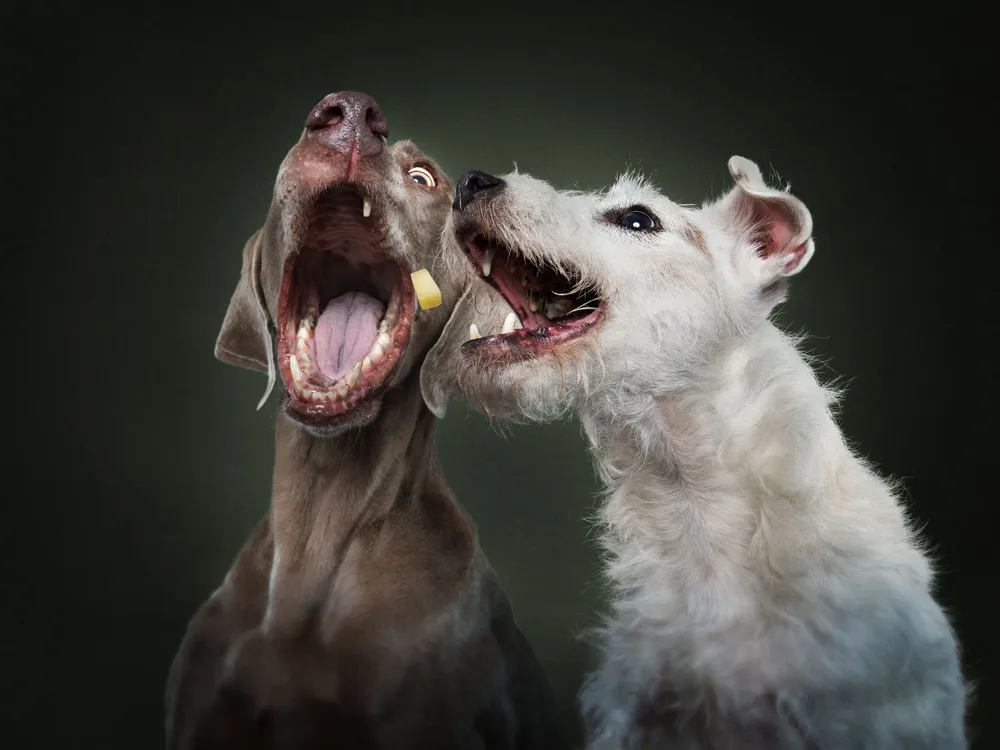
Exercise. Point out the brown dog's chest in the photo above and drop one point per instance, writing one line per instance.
(366, 656)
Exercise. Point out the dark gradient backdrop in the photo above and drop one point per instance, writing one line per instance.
(144, 147)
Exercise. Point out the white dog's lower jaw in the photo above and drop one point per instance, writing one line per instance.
(548, 309)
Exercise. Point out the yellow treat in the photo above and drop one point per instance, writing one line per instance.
(428, 293)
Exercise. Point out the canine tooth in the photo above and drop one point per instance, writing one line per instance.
(366, 364)
(487, 261)
(508, 323)
(384, 339)
(353, 375)
(293, 364)
(474, 332)
(532, 304)
(517, 323)
(367, 208)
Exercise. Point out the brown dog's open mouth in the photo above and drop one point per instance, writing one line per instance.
(550, 306)
(345, 309)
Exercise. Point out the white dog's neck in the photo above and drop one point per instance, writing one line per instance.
(739, 493)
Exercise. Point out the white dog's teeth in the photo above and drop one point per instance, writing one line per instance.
(366, 365)
(517, 323)
(384, 339)
(509, 322)
(487, 261)
(474, 332)
(383, 327)
(366, 209)
(342, 390)
(353, 375)
(532, 304)
(376, 353)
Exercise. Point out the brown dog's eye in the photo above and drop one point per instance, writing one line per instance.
(422, 177)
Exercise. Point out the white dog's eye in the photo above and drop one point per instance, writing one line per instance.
(422, 177)
(637, 221)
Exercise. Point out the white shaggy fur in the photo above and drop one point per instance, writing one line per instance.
(769, 591)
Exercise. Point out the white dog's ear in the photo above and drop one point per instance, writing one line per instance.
(246, 336)
(775, 223)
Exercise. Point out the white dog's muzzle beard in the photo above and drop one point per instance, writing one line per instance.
(550, 304)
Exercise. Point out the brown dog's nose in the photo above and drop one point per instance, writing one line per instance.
(474, 184)
(347, 118)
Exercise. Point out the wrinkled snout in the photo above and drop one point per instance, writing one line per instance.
(475, 184)
(350, 123)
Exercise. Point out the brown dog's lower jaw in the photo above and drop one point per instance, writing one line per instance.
(549, 308)
(333, 352)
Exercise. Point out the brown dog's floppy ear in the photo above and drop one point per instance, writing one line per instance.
(247, 335)
(775, 222)
(440, 373)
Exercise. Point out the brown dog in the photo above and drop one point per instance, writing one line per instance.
(361, 613)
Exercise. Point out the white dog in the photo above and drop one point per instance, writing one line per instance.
(769, 591)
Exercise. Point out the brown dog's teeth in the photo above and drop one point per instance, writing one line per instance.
(353, 375)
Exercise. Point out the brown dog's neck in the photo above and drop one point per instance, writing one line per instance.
(328, 490)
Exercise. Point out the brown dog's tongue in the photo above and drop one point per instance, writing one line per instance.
(346, 331)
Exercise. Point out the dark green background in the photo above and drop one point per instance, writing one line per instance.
(143, 149)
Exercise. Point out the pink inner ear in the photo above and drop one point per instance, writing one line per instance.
(795, 257)
(776, 230)
(780, 233)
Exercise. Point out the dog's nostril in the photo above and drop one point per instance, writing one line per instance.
(376, 122)
(324, 117)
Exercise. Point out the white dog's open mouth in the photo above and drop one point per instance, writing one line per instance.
(344, 311)
(550, 306)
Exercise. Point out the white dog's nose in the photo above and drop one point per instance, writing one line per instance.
(475, 184)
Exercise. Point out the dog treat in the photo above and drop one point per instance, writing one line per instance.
(428, 293)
